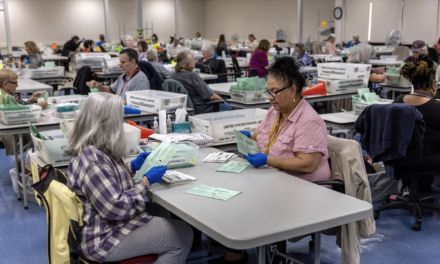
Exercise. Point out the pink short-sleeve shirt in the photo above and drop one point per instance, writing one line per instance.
(304, 132)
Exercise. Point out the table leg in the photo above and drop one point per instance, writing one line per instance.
(317, 240)
(262, 255)
(330, 131)
(23, 176)
(16, 168)
(394, 95)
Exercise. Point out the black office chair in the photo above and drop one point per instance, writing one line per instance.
(410, 168)
(432, 53)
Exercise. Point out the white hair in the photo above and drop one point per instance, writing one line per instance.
(182, 59)
(99, 124)
(361, 54)
(151, 55)
(209, 49)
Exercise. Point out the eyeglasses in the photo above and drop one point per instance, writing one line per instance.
(274, 94)
(13, 82)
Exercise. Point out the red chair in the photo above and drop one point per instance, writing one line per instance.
(142, 259)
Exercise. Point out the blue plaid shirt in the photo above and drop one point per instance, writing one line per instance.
(113, 204)
(305, 60)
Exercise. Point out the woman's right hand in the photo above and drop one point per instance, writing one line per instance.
(155, 174)
(92, 84)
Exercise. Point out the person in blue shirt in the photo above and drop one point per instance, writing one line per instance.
(303, 57)
(353, 41)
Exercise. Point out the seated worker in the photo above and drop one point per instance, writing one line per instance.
(198, 37)
(208, 63)
(422, 76)
(155, 39)
(133, 79)
(330, 47)
(353, 41)
(88, 46)
(174, 49)
(101, 40)
(253, 42)
(292, 138)
(222, 46)
(259, 59)
(362, 54)
(33, 59)
(418, 47)
(160, 69)
(72, 44)
(197, 89)
(118, 223)
(8, 85)
(303, 58)
(142, 47)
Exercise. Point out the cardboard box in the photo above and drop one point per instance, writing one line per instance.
(45, 72)
(153, 101)
(343, 86)
(52, 151)
(358, 107)
(344, 71)
(221, 125)
(248, 96)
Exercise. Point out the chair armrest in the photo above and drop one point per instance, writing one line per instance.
(337, 185)
(215, 102)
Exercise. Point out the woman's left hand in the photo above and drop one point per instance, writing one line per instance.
(36, 95)
(257, 159)
(137, 163)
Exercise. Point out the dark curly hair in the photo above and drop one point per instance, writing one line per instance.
(286, 70)
(420, 72)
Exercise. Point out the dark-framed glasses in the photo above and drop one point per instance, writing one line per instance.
(274, 94)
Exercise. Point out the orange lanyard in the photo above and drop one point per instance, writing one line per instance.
(123, 87)
(271, 135)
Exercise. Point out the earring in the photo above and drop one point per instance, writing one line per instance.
(294, 99)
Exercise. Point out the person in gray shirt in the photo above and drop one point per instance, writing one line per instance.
(197, 89)
(160, 69)
(133, 79)
(34, 59)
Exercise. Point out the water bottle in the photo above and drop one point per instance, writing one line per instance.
(315, 79)
(223, 54)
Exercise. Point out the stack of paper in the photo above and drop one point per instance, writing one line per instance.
(173, 177)
(365, 96)
(213, 192)
(245, 145)
(219, 157)
(234, 166)
(158, 157)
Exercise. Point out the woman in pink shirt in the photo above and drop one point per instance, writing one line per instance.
(292, 138)
(259, 59)
(330, 47)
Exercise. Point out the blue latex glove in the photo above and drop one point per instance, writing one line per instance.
(136, 164)
(155, 174)
(246, 133)
(257, 159)
(26, 61)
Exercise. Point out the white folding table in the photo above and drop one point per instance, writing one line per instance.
(272, 207)
(341, 120)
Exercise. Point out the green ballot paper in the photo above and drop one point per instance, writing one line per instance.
(213, 192)
(245, 145)
(45, 95)
(160, 156)
(234, 166)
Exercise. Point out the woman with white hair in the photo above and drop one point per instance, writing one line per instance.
(160, 69)
(354, 41)
(208, 63)
(330, 47)
(198, 91)
(118, 224)
(362, 54)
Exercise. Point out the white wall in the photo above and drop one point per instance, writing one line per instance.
(314, 12)
(57, 21)
(420, 21)
(356, 20)
(389, 9)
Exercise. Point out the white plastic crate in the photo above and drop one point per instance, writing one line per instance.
(343, 86)
(247, 96)
(358, 107)
(153, 101)
(111, 66)
(65, 115)
(45, 72)
(344, 71)
(32, 115)
(221, 125)
(52, 151)
(186, 154)
(76, 99)
(92, 59)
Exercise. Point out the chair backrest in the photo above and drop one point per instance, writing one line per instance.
(83, 76)
(152, 75)
(173, 86)
(235, 65)
(64, 216)
(222, 70)
(432, 53)
(402, 52)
